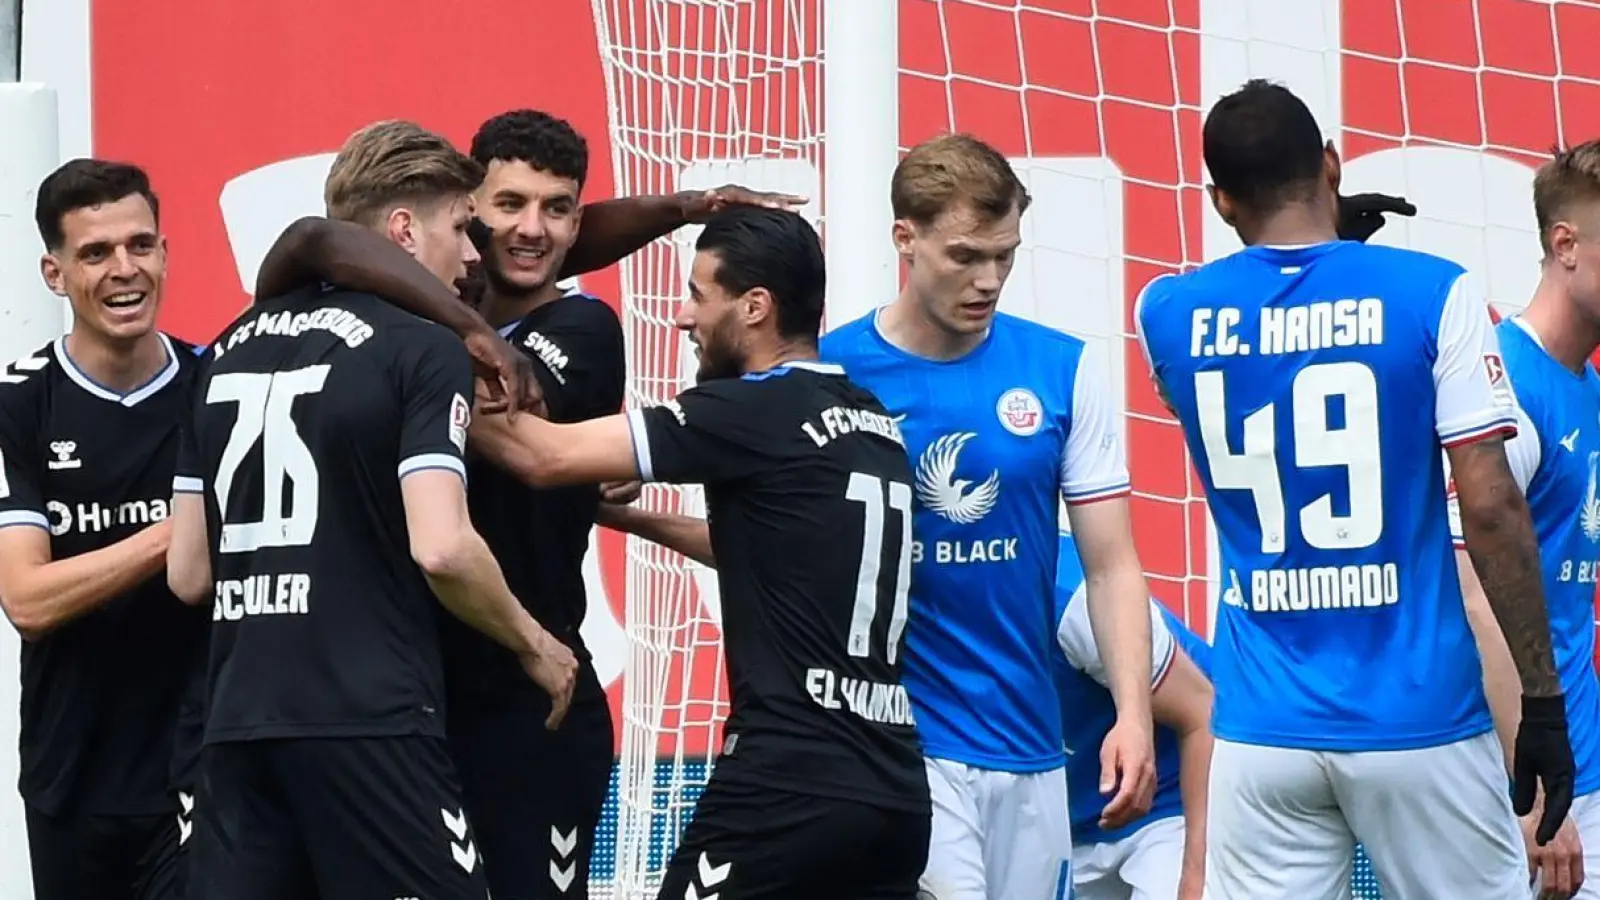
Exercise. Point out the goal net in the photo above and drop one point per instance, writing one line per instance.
(1099, 103)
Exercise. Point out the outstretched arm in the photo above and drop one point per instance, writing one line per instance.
(616, 228)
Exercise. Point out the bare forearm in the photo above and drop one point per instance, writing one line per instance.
(523, 449)
(545, 454)
(472, 587)
(1194, 775)
(1505, 557)
(351, 256)
(1500, 683)
(613, 229)
(1119, 615)
(55, 593)
(685, 534)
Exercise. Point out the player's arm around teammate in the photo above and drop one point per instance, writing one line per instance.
(314, 249)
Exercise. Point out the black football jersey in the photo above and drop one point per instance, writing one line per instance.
(808, 497)
(540, 537)
(313, 409)
(100, 694)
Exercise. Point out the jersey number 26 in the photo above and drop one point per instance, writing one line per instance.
(1316, 444)
(265, 401)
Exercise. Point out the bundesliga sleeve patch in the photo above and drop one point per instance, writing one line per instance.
(460, 418)
(1498, 383)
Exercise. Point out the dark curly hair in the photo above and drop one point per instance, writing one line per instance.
(536, 138)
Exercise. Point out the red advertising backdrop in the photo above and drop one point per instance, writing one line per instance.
(216, 90)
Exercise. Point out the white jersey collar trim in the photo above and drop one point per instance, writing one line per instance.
(131, 398)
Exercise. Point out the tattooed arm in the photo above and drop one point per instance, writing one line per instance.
(1505, 554)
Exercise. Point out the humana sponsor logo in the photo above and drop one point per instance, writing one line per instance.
(95, 517)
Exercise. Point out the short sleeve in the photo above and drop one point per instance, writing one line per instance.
(435, 379)
(710, 433)
(21, 488)
(1138, 318)
(579, 359)
(1523, 452)
(1076, 638)
(189, 475)
(1093, 465)
(1473, 398)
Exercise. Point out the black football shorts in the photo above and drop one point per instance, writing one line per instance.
(753, 843)
(338, 817)
(106, 857)
(535, 795)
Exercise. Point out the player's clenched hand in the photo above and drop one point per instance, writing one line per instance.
(1543, 759)
(553, 667)
(698, 206)
(1556, 867)
(507, 373)
(1361, 215)
(1127, 766)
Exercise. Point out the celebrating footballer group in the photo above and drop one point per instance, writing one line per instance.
(381, 478)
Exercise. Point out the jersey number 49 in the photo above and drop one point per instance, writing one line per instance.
(1316, 444)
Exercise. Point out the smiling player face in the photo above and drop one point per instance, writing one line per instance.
(957, 265)
(533, 218)
(111, 266)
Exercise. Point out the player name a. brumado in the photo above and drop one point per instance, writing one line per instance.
(1320, 325)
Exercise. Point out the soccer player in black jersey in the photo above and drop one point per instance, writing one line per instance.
(320, 507)
(820, 789)
(535, 795)
(88, 440)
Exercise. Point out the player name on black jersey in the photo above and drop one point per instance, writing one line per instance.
(283, 594)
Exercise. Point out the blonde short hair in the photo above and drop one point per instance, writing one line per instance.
(951, 171)
(1568, 180)
(390, 163)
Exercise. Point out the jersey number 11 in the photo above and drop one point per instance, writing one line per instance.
(868, 490)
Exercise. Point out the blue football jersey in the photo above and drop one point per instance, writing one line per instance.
(1088, 712)
(1554, 457)
(1341, 625)
(996, 437)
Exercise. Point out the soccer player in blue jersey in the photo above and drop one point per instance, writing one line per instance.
(1349, 699)
(1002, 417)
(1555, 457)
(1161, 855)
